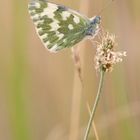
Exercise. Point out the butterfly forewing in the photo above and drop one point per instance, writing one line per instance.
(57, 26)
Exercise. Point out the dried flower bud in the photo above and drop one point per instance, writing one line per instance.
(106, 57)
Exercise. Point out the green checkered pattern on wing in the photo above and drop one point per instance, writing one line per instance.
(43, 25)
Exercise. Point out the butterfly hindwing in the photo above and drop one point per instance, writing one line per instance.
(57, 26)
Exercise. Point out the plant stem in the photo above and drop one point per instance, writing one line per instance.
(93, 125)
(95, 105)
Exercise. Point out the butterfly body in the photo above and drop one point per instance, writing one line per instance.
(60, 27)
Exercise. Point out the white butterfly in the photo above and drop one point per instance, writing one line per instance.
(60, 27)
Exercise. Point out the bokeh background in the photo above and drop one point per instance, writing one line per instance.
(41, 97)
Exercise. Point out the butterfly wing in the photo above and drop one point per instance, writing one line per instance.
(57, 26)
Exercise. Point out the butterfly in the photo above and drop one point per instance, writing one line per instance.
(60, 27)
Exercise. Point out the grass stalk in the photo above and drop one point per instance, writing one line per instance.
(77, 87)
(93, 124)
(95, 105)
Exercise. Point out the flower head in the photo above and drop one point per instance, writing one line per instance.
(106, 57)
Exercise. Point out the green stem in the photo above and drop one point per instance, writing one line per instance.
(95, 105)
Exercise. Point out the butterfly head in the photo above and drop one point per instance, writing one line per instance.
(94, 26)
(96, 20)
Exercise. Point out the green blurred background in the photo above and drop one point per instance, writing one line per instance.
(40, 93)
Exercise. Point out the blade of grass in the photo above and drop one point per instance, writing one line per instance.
(18, 115)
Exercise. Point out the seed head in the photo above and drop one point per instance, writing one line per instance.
(106, 57)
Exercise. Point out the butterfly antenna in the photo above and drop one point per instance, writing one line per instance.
(105, 6)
